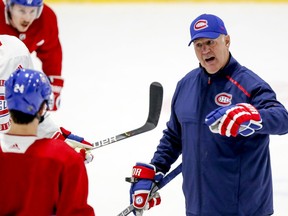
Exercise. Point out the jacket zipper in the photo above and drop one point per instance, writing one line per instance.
(199, 148)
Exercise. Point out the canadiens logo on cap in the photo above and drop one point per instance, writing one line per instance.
(200, 24)
(223, 99)
(207, 26)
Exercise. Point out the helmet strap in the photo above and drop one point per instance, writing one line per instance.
(41, 119)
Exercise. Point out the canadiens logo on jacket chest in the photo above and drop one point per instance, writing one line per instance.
(223, 99)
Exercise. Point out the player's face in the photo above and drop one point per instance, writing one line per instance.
(213, 54)
(22, 16)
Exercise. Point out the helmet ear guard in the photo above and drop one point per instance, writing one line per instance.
(39, 11)
(50, 102)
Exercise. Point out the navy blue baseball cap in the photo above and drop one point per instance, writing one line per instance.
(207, 26)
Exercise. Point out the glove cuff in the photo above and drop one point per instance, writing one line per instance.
(143, 171)
(74, 140)
(57, 83)
(154, 201)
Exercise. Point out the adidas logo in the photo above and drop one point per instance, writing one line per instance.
(15, 146)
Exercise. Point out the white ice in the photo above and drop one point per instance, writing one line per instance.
(112, 52)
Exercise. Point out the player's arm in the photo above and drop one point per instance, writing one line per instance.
(79, 144)
(50, 53)
(48, 129)
(74, 188)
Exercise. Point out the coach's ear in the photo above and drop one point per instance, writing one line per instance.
(227, 40)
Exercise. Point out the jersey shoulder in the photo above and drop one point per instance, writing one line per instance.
(54, 149)
(12, 46)
(13, 54)
(48, 13)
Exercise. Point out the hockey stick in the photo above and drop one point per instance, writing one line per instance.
(157, 187)
(155, 105)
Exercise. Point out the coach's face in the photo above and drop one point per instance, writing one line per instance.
(213, 54)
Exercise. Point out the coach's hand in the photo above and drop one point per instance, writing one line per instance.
(242, 118)
(140, 192)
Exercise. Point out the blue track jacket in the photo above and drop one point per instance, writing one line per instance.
(222, 176)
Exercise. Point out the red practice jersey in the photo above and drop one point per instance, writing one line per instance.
(42, 177)
(42, 37)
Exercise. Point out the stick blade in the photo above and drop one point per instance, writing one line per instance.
(155, 103)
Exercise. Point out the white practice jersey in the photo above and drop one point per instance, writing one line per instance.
(13, 55)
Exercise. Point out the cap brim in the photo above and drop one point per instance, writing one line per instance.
(210, 35)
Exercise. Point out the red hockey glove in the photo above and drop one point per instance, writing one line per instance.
(78, 143)
(57, 84)
(140, 192)
(241, 118)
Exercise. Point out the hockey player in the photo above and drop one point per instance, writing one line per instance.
(38, 176)
(14, 54)
(36, 25)
(222, 115)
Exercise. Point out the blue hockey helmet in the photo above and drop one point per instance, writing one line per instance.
(26, 90)
(26, 3)
(31, 3)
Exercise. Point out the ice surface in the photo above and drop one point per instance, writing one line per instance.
(112, 52)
